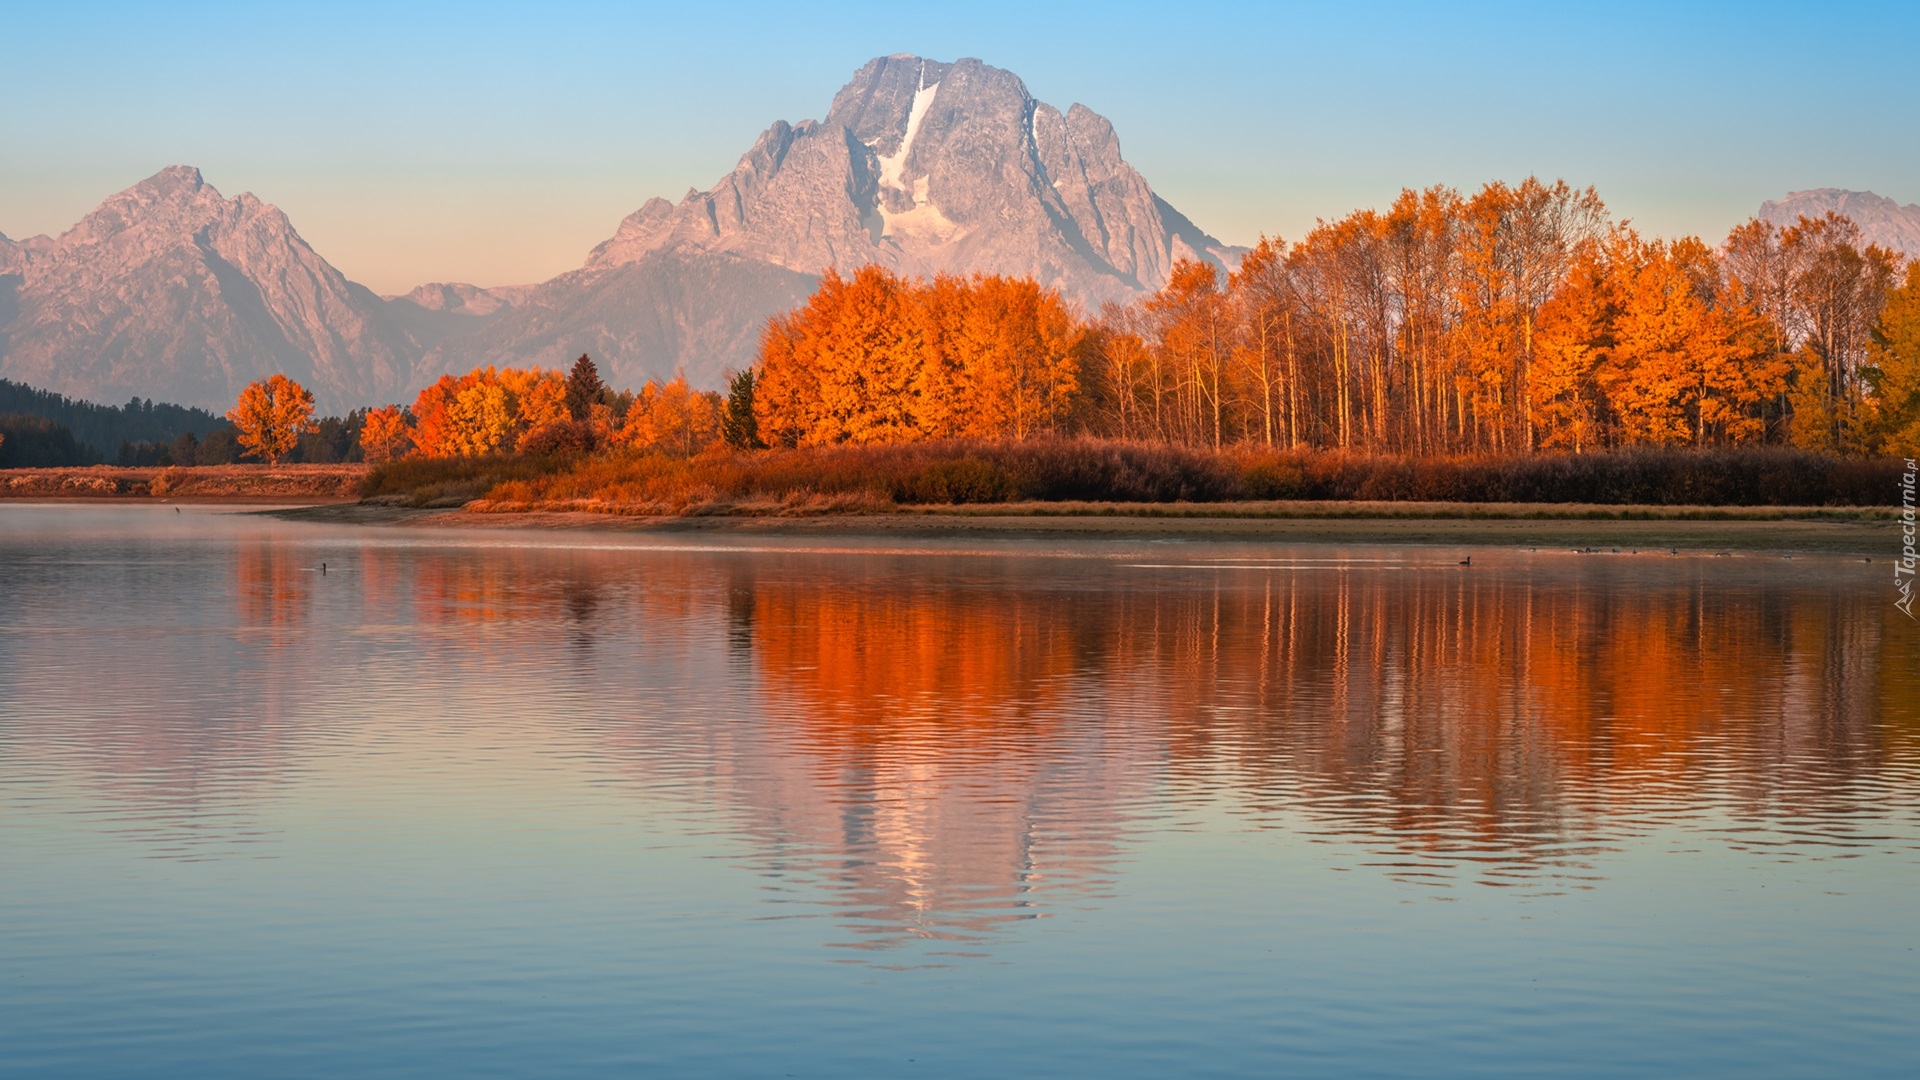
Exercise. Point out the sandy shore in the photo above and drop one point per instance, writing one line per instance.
(1867, 532)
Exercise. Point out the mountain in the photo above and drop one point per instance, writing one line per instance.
(675, 310)
(1881, 220)
(170, 290)
(921, 166)
(435, 312)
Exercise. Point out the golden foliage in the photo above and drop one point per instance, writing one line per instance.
(672, 419)
(271, 415)
(486, 411)
(876, 358)
(1506, 322)
(384, 435)
(1895, 368)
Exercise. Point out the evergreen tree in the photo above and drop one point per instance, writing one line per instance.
(28, 441)
(584, 388)
(737, 424)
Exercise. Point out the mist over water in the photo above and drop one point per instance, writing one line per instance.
(512, 803)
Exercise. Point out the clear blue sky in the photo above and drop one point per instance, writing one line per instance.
(497, 144)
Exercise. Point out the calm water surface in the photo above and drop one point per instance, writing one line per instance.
(503, 804)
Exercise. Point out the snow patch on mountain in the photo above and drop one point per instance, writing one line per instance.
(892, 164)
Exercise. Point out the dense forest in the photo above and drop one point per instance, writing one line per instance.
(103, 432)
(28, 441)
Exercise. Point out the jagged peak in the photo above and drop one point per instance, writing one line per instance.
(931, 165)
(1829, 191)
(652, 208)
(1881, 220)
(174, 180)
(1841, 196)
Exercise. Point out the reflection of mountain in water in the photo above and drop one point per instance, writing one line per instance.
(1487, 726)
(925, 746)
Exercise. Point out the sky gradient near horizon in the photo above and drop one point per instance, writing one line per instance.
(497, 144)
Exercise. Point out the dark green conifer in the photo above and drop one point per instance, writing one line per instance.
(583, 388)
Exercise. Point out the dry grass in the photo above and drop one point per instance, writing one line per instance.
(199, 483)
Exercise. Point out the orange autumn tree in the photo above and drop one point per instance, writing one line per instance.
(841, 367)
(1664, 337)
(1574, 336)
(877, 358)
(1648, 343)
(1509, 321)
(673, 418)
(384, 435)
(271, 415)
(1191, 318)
(486, 411)
(1000, 358)
(1894, 368)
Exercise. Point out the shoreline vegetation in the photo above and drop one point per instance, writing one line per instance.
(333, 494)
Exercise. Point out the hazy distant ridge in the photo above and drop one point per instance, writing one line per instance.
(1882, 221)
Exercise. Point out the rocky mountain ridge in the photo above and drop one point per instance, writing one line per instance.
(921, 166)
(1882, 221)
(170, 290)
(930, 167)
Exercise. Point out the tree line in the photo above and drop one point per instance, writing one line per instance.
(494, 410)
(1519, 319)
(45, 428)
(42, 429)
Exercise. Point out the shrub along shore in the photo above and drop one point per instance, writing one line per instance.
(1644, 503)
(1038, 473)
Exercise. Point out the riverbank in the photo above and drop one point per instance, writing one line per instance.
(1869, 532)
(240, 484)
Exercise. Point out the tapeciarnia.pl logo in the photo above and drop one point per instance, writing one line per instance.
(1903, 569)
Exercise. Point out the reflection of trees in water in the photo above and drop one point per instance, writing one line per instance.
(930, 745)
(1487, 726)
(942, 745)
(182, 709)
(271, 589)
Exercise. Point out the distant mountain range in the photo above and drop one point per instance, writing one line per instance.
(170, 290)
(1882, 221)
